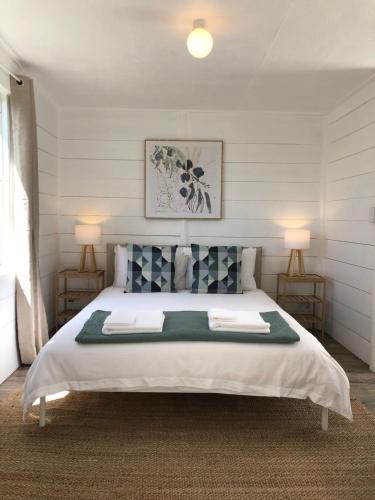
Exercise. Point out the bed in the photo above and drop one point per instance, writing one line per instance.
(301, 370)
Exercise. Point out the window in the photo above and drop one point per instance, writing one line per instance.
(4, 184)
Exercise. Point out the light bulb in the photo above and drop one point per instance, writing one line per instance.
(199, 42)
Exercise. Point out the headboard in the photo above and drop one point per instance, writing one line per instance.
(111, 265)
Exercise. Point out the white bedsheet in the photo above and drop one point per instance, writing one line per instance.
(301, 370)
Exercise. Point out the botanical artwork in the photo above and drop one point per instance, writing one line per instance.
(183, 179)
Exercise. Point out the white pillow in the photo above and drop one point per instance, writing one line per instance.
(186, 251)
(180, 266)
(248, 269)
(121, 266)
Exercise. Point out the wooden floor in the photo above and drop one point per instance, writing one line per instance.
(361, 379)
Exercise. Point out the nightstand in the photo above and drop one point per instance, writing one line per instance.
(315, 301)
(66, 295)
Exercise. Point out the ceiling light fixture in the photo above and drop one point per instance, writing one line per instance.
(199, 42)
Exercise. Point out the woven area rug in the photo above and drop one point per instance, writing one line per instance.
(185, 446)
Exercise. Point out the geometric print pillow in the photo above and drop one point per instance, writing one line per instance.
(151, 268)
(216, 269)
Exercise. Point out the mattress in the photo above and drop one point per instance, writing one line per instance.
(301, 370)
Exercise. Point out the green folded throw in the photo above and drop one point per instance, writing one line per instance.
(187, 326)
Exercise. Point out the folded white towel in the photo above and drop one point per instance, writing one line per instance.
(145, 322)
(226, 326)
(222, 314)
(120, 317)
(241, 319)
(123, 331)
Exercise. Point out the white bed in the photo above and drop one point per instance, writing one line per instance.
(301, 370)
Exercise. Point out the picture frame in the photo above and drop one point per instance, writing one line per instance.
(183, 179)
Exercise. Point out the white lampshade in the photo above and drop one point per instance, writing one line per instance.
(199, 42)
(297, 239)
(87, 234)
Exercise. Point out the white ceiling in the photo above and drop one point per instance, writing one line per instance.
(292, 55)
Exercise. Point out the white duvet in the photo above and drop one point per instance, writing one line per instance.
(301, 370)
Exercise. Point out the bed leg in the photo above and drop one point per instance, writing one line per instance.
(42, 411)
(325, 419)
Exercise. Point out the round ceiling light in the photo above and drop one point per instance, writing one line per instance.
(199, 42)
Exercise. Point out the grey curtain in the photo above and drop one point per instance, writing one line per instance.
(32, 329)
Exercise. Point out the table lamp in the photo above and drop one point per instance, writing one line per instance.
(87, 235)
(296, 240)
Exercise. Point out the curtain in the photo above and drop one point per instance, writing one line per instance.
(32, 329)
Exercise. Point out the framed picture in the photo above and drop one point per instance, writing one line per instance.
(183, 179)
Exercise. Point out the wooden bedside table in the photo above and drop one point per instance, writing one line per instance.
(311, 319)
(67, 295)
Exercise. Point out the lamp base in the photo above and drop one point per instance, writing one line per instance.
(87, 253)
(296, 256)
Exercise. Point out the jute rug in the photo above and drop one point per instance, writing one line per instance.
(185, 446)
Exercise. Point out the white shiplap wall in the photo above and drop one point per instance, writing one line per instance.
(271, 179)
(349, 178)
(48, 153)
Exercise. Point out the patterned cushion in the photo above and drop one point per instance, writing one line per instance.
(216, 269)
(151, 268)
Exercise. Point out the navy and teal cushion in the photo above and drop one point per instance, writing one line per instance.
(216, 269)
(151, 268)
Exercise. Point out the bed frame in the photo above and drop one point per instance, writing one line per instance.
(42, 414)
(109, 281)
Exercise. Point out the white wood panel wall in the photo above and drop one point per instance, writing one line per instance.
(271, 179)
(349, 235)
(48, 153)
